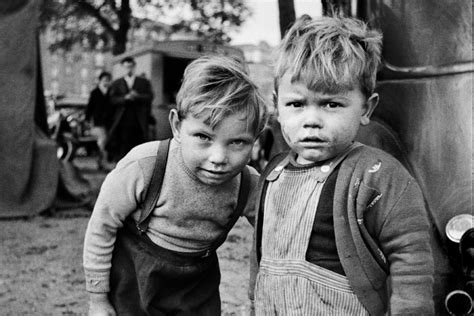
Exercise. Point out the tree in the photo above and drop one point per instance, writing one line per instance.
(287, 11)
(107, 23)
(287, 15)
(334, 6)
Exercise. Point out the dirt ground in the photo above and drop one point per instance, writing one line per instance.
(41, 263)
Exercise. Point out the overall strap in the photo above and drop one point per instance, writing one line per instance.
(272, 169)
(154, 188)
(241, 203)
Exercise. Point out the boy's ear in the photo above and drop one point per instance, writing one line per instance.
(175, 124)
(369, 108)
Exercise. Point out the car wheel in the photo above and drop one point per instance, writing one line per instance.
(65, 150)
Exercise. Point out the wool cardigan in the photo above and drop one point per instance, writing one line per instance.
(377, 200)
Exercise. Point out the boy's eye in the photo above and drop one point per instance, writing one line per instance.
(332, 105)
(202, 137)
(239, 142)
(294, 104)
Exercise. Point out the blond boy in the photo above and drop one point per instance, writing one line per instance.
(169, 266)
(342, 228)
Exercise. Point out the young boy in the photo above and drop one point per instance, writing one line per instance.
(171, 267)
(341, 228)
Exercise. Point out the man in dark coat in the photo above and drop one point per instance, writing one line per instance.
(98, 113)
(131, 98)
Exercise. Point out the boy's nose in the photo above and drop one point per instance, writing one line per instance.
(217, 155)
(312, 117)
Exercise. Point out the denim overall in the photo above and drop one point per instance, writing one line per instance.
(287, 284)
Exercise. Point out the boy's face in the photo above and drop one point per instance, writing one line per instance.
(319, 125)
(216, 155)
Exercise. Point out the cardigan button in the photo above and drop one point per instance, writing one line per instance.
(325, 168)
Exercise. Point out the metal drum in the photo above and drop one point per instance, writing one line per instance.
(425, 89)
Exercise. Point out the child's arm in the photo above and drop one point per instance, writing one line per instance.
(117, 199)
(405, 240)
(249, 211)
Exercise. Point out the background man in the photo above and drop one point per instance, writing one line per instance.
(131, 98)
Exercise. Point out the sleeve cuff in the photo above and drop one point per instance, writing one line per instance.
(97, 282)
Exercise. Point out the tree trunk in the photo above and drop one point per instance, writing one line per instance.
(120, 43)
(334, 6)
(120, 36)
(287, 15)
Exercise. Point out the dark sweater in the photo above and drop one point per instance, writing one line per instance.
(98, 108)
(322, 249)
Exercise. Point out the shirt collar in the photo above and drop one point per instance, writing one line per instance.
(130, 80)
(322, 168)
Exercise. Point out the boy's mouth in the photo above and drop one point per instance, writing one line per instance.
(216, 173)
(312, 141)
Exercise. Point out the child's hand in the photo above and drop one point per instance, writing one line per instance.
(99, 305)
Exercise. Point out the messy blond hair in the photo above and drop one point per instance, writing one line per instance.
(330, 54)
(215, 87)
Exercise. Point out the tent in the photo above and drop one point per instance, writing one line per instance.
(32, 179)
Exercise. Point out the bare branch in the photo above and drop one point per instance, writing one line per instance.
(95, 12)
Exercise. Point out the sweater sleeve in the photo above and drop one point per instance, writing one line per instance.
(405, 240)
(118, 198)
(116, 94)
(249, 211)
(145, 94)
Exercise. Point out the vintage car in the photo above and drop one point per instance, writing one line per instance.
(68, 127)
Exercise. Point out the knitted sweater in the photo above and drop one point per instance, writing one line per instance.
(374, 194)
(188, 216)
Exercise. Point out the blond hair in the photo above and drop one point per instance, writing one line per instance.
(215, 87)
(330, 54)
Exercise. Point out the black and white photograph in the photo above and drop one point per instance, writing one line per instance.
(236, 157)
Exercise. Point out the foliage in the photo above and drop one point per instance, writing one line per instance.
(331, 7)
(213, 20)
(106, 24)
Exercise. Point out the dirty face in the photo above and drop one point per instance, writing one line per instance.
(214, 156)
(318, 125)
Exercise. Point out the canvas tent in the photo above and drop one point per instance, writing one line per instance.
(32, 179)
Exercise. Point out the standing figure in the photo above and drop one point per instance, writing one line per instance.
(158, 256)
(98, 113)
(342, 227)
(131, 98)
